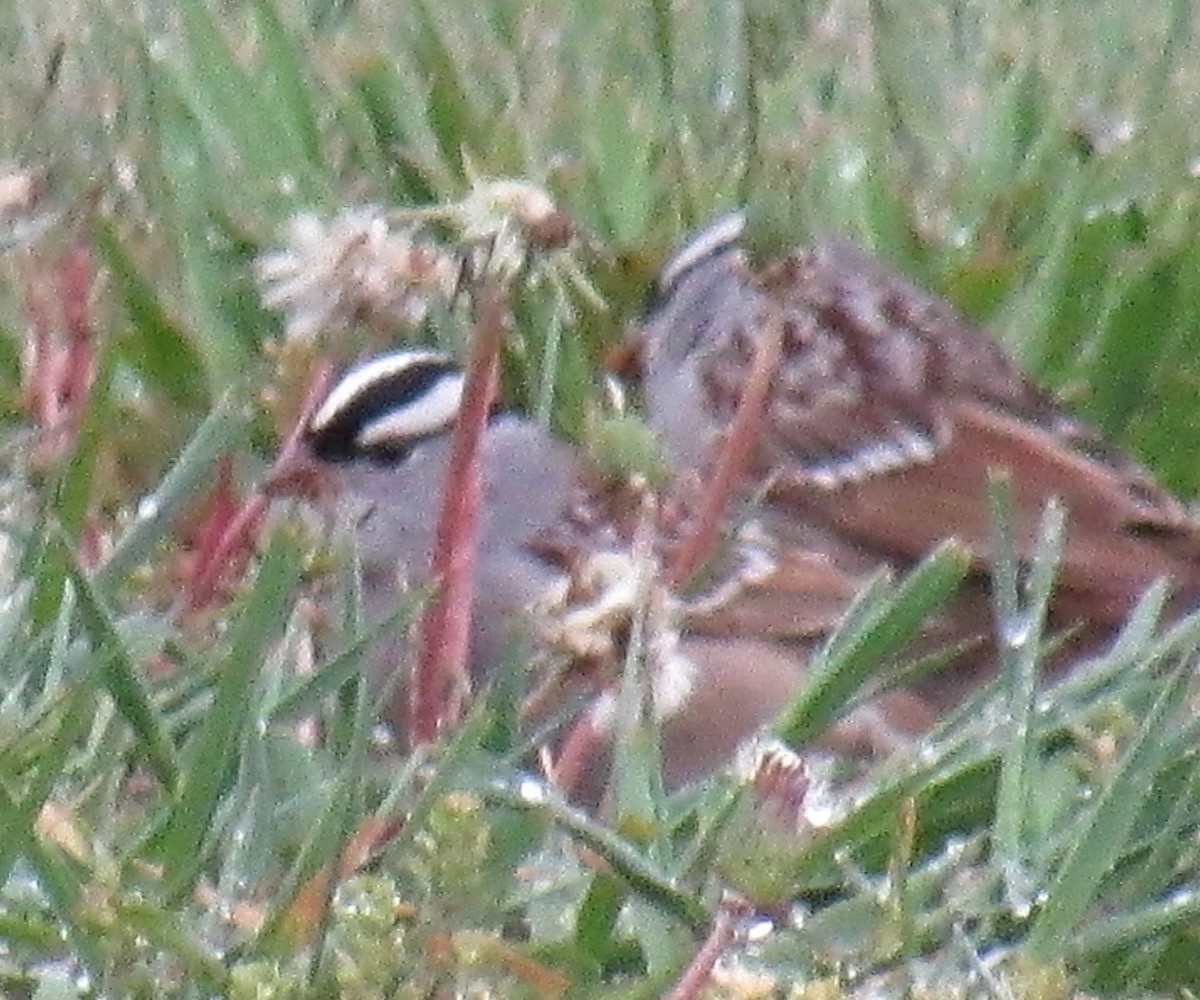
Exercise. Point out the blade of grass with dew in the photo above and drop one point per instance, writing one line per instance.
(211, 753)
(1019, 627)
(121, 678)
(628, 862)
(861, 920)
(949, 801)
(1108, 827)
(853, 656)
(1177, 910)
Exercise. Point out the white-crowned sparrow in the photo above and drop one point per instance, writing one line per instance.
(383, 430)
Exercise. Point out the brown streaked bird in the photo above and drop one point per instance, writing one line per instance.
(883, 419)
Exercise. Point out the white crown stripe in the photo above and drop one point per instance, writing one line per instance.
(434, 411)
(358, 379)
(721, 235)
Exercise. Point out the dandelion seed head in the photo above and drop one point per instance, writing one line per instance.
(353, 269)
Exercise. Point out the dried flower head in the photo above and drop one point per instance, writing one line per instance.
(493, 206)
(780, 782)
(771, 826)
(353, 269)
(591, 621)
(504, 219)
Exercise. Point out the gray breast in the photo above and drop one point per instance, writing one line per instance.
(526, 477)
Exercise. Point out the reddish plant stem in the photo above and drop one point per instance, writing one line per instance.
(80, 361)
(732, 456)
(585, 743)
(441, 681)
(724, 932)
(59, 365)
(41, 361)
(238, 535)
(221, 508)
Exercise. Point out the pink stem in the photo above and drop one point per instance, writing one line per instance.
(240, 531)
(80, 359)
(721, 936)
(441, 681)
(733, 456)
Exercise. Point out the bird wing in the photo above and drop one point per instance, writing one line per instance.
(889, 411)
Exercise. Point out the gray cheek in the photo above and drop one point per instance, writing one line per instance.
(678, 414)
(699, 319)
(526, 479)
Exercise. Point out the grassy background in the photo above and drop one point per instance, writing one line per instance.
(161, 821)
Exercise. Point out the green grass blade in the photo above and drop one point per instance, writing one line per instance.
(212, 752)
(222, 432)
(306, 695)
(1177, 910)
(1020, 626)
(450, 111)
(157, 348)
(121, 678)
(1107, 829)
(642, 875)
(836, 676)
(57, 740)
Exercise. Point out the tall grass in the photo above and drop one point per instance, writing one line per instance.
(166, 826)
